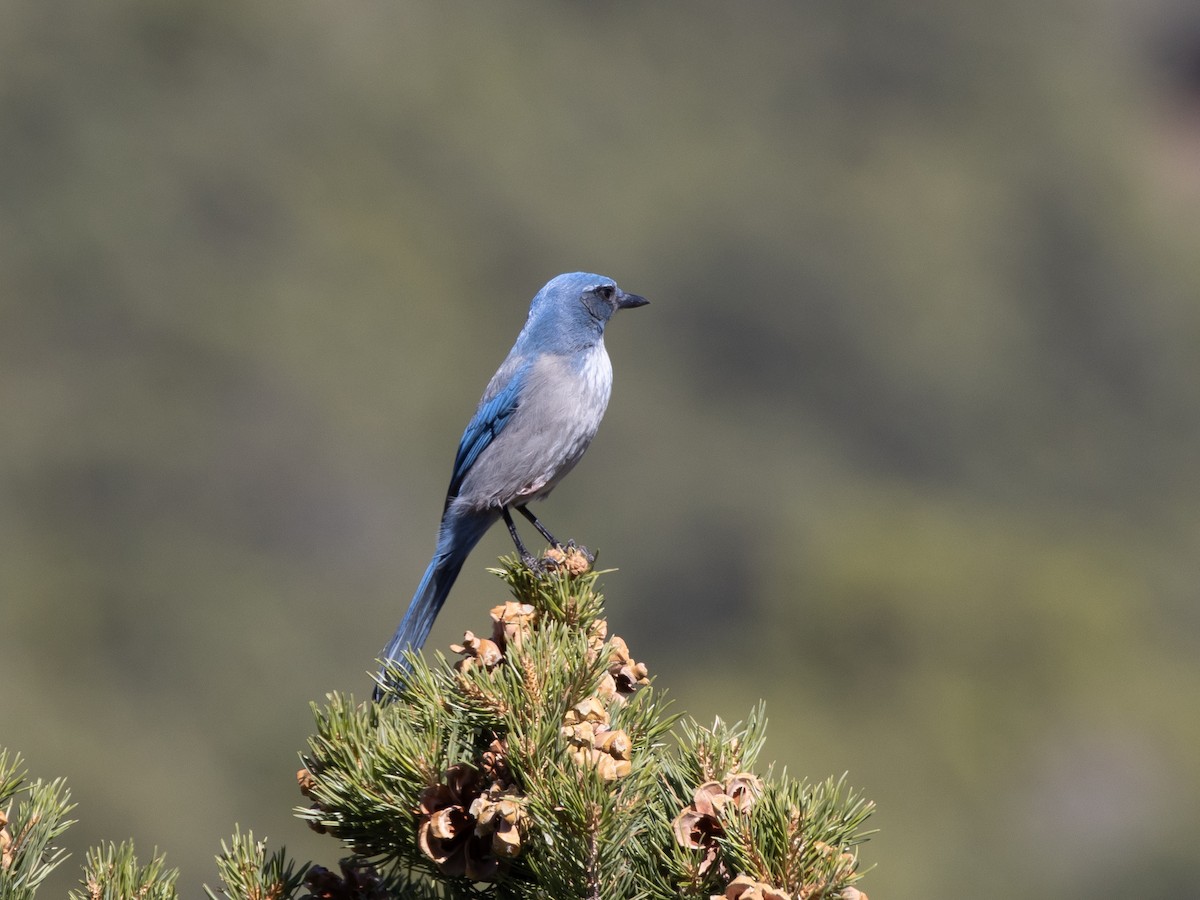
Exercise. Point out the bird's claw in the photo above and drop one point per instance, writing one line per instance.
(587, 554)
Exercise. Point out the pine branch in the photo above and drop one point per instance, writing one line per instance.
(247, 873)
(539, 765)
(113, 873)
(542, 763)
(32, 817)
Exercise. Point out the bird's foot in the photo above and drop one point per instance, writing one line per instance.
(587, 554)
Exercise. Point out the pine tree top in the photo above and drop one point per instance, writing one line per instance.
(541, 763)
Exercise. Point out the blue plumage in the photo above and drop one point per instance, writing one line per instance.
(536, 418)
(488, 421)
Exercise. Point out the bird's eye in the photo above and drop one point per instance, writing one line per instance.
(606, 291)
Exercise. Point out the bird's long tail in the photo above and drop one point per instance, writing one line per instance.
(458, 536)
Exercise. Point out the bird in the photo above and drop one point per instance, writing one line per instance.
(536, 418)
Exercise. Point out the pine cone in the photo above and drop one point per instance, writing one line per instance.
(627, 674)
(575, 560)
(6, 839)
(467, 828)
(746, 888)
(511, 621)
(699, 825)
(476, 651)
(743, 789)
(494, 762)
(358, 881)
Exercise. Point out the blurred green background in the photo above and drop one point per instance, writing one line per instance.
(907, 443)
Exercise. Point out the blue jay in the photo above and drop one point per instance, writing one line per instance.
(539, 413)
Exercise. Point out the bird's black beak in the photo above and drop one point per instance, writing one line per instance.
(629, 301)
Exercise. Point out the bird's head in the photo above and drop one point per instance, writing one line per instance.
(577, 304)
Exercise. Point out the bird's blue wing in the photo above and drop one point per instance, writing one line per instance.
(489, 420)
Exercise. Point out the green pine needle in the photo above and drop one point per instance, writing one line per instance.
(112, 872)
(33, 816)
(543, 763)
(248, 873)
(584, 832)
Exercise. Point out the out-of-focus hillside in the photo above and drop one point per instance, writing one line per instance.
(907, 442)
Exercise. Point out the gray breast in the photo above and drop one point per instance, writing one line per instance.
(560, 409)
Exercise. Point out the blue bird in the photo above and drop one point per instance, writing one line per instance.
(536, 418)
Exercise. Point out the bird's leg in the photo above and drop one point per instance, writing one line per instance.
(524, 510)
(526, 557)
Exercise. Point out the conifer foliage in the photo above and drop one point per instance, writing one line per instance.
(541, 763)
(33, 815)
